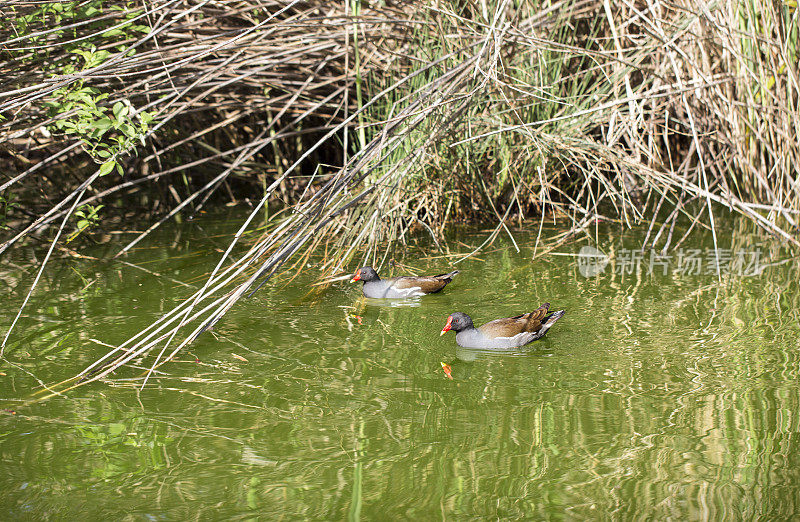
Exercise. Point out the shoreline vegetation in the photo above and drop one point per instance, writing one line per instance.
(368, 121)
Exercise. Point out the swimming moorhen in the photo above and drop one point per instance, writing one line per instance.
(399, 287)
(510, 332)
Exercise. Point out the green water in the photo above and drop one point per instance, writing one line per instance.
(656, 396)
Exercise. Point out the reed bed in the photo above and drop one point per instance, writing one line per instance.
(370, 121)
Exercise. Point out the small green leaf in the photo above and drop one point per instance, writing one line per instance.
(103, 124)
(119, 110)
(107, 167)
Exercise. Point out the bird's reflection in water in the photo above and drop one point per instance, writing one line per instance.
(473, 354)
(461, 367)
(393, 303)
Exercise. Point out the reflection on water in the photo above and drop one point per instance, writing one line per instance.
(395, 303)
(657, 395)
(472, 354)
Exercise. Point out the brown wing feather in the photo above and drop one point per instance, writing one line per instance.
(511, 326)
(428, 285)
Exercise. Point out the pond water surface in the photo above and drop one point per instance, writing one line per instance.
(661, 393)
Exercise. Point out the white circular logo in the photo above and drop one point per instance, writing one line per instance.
(591, 261)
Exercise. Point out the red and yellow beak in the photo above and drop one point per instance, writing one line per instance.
(356, 276)
(448, 325)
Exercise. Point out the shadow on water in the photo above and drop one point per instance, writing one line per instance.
(661, 393)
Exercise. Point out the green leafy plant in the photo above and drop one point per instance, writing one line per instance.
(106, 132)
(79, 109)
(87, 216)
(63, 18)
(6, 204)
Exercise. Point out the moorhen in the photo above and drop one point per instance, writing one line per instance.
(399, 287)
(510, 332)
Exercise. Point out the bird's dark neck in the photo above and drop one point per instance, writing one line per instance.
(467, 328)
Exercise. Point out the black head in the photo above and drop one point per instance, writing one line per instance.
(457, 321)
(366, 274)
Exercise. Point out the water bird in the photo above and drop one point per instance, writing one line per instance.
(400, 287)
(510, 332)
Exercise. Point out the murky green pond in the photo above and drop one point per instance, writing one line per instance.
(663, 392)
